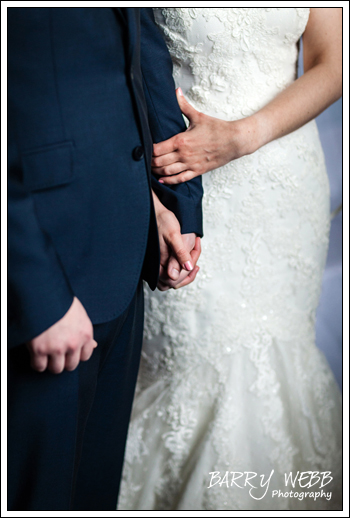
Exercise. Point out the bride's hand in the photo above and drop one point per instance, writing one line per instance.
(207, 144)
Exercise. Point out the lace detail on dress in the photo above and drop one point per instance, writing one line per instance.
(243, 48)
(230, 377)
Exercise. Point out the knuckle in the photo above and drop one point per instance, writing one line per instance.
(174, 234)
(180, 141)
(58, 349)
(72, 347)
(40, 349)
(87, 334)
(199, 116)
(170, 220)
(186, 151)
(181, 252)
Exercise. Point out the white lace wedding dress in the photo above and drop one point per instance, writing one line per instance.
(230, 377)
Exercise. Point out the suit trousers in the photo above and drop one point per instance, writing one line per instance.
(67, 432)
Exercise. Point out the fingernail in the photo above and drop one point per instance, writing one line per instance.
(175, 274)
(180, 92)
(161, 181)
(188, 266)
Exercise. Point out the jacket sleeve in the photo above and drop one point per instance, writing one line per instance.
(165, 121)
(39, 294)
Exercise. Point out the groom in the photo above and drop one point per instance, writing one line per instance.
(89, 90)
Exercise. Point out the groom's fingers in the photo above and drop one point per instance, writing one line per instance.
(164, 276)
(56, 363)
(72, 360)
(173, 269)
(162, 287)
(87, 350)
(38, 362)
(190, 278)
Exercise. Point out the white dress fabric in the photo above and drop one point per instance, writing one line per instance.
(230, 377)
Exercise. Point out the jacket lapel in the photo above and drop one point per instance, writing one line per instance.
(130, 15)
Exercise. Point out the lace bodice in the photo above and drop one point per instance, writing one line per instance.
(230, 377)
(224, 56)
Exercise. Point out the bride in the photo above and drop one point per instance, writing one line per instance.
(234, 401)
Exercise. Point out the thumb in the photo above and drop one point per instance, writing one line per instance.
(179, 251)
(174, 268)
(185, 106)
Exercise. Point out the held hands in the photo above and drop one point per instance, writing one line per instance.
(65, 344)
(70, 340)
(178, 253)
(207, 144)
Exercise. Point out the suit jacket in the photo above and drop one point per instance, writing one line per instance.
(89, 90)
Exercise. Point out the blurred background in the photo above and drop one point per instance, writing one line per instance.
(329, 314)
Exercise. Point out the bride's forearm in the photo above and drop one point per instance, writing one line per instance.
(301, 102)
(210, 143)
(313, 92)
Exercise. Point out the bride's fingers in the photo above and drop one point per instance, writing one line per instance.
(179, 178)
(161, 161)
(165, 147)
(174, 168)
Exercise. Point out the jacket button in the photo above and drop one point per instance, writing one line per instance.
(138, 153)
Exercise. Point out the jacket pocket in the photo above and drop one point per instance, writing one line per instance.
(48, 166)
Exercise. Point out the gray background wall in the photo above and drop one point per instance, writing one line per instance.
(329, 313)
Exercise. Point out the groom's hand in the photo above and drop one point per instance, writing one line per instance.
(65, 344)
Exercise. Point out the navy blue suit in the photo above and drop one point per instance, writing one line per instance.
(89, 90)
